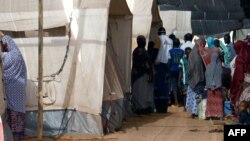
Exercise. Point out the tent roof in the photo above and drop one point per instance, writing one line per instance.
(119, 7)
(211, 16)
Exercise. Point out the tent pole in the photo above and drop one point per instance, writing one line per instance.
(40, 72)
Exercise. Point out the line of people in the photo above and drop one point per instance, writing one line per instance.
(205, 80)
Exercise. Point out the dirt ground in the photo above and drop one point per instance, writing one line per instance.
(173, 126)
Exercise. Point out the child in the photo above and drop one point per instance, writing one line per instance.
(243, 117)
(184, 74)
(176, 54)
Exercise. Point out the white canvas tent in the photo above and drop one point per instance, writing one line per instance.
(156, 22)
(97, 71)
(180, 22)
(210, 17)
(143, 15)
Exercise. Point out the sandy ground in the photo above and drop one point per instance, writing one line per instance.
(174, 126)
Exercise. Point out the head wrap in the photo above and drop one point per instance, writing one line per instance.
(141, 41)
(210, 42)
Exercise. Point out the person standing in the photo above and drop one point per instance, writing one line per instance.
(172, 37)
(14, 78)
(161, 76)
(142, 72)
(184, 77)
(196, 77)
(224, 52)
(213, 84)
(188, 38)
(230, 46)
(175, 56)
(241, 75)
(152, 51)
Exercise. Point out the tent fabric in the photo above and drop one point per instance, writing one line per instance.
(113, 115)
(16, 15)
(180, 22)
(242, 33)
(118, 8)
(118, 58)
(58, 122)
(117, 79)
(98, 62)
(142, 18)
(71, 89)
(210, 17)
(81, 84)
(156, 22)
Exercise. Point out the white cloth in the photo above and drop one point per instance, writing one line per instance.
(1, 130)
(202, 109)
(187, 44)
(232, 66)
(166, 45)
(183, 71)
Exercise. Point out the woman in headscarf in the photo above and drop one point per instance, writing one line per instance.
(184, 75)
(152, 51)
(238, 46)
(214, 70)
(14, 77)
(241, 74)
(142, 72)
(211, 47)
(224, 52)
(226, 77)
(196, 76)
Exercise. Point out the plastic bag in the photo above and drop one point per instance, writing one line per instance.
(202, 109)
(227, 108)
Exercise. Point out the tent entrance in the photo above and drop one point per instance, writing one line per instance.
(117, 64)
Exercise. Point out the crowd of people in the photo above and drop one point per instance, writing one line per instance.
(209, 78)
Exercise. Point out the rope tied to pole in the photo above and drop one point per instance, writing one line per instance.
(66, 53)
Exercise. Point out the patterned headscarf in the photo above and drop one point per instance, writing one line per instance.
(14, 75)
(13, 61)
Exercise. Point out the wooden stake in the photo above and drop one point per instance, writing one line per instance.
(40, 73)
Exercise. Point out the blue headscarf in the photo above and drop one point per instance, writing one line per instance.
(210, 42)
